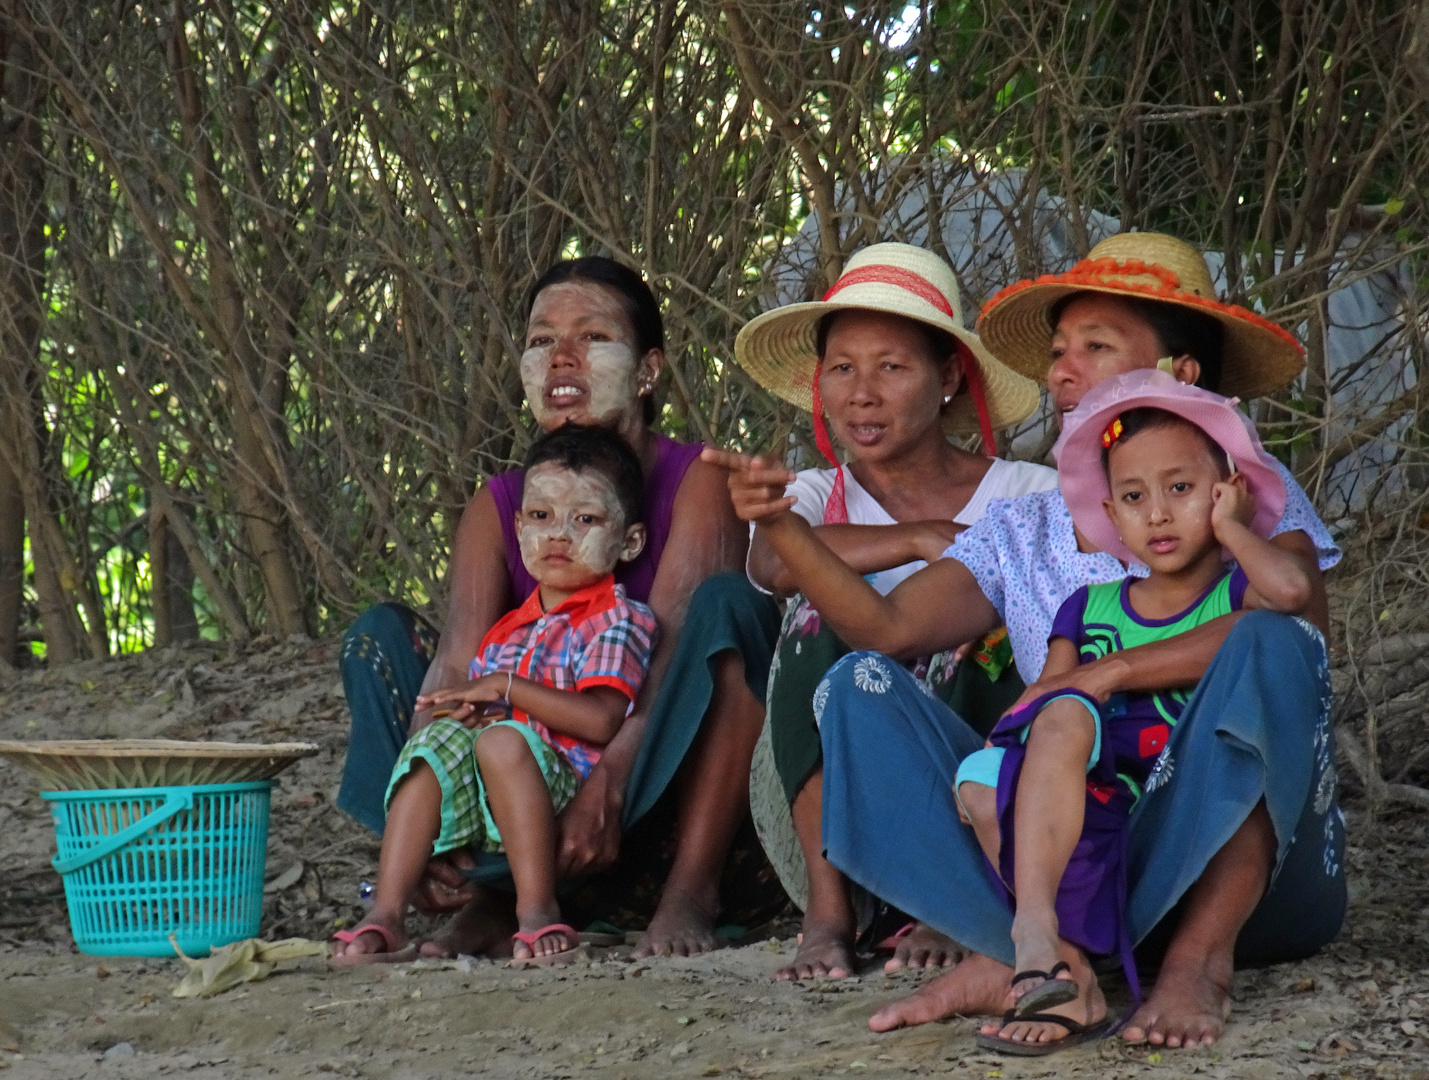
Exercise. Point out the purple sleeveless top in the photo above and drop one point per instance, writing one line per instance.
(638, 576)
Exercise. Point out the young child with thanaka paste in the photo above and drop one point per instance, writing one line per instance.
(1172, 477)
(550, 685)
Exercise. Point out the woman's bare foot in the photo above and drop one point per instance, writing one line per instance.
(978, 986)
(681, 926)
(1089, 1007)
(1188, 1006)
(824, 950)
(924, 947)
(482, 928)
(444, 886)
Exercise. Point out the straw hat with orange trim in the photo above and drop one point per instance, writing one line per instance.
(1259, 357)
(779, 348)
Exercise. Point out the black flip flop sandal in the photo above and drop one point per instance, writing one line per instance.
(1050, 994)
(1076, 1035)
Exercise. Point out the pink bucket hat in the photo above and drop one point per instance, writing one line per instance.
(1079, 449)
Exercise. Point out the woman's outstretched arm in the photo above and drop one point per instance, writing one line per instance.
(865, 549)
(940, 607)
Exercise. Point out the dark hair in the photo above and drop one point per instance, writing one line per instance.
(639, 302)
(1135, 421)
(582, 448)
(1179, 329)
(941, 345)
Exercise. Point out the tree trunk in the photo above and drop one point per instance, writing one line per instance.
(159, 578)
(12, 559)
(256, 481)
(171, 582)
(179, 586)
(17, 93)
(262, 519)
(58, 580)
(62, 633)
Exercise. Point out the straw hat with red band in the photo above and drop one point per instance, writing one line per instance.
(1095, 424)
(779, 349)
(1260, 357)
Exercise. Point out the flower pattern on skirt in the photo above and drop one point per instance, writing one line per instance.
(1162, 771)
(1328, 778)
(821, 698)
(871, 676)
(1331, 859)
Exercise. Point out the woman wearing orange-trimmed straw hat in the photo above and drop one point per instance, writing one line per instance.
(1240, 833)
(885, 364)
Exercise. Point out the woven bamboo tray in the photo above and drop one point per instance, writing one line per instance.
(86, 764)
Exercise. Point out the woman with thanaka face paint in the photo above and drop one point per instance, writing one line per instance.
(889, 371)
(593, 352)
(504, 757)
(1236, 850)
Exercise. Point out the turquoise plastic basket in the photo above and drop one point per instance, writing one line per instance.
(140, 864)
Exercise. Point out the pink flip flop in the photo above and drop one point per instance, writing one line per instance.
(391, 955)
(530, 937)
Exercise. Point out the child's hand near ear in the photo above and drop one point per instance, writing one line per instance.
(1276, 579)
(1231, 504)
(474, 700)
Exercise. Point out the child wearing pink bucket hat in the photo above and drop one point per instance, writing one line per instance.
(1172, 477)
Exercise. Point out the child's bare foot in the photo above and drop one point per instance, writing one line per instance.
(823, 950)
(380, 939)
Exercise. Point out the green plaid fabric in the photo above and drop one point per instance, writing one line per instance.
(449, 749)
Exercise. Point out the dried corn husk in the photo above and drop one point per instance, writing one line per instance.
(250, 960)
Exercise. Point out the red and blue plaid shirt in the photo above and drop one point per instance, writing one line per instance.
(596, 637)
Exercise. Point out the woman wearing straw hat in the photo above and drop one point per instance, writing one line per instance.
(594, 348)
(1240, 833)
(885, 357)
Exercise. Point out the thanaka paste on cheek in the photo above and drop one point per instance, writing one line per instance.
(565, 496)
(612, 379)
(535, 363)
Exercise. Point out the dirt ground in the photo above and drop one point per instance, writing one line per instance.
(1360, 1009)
